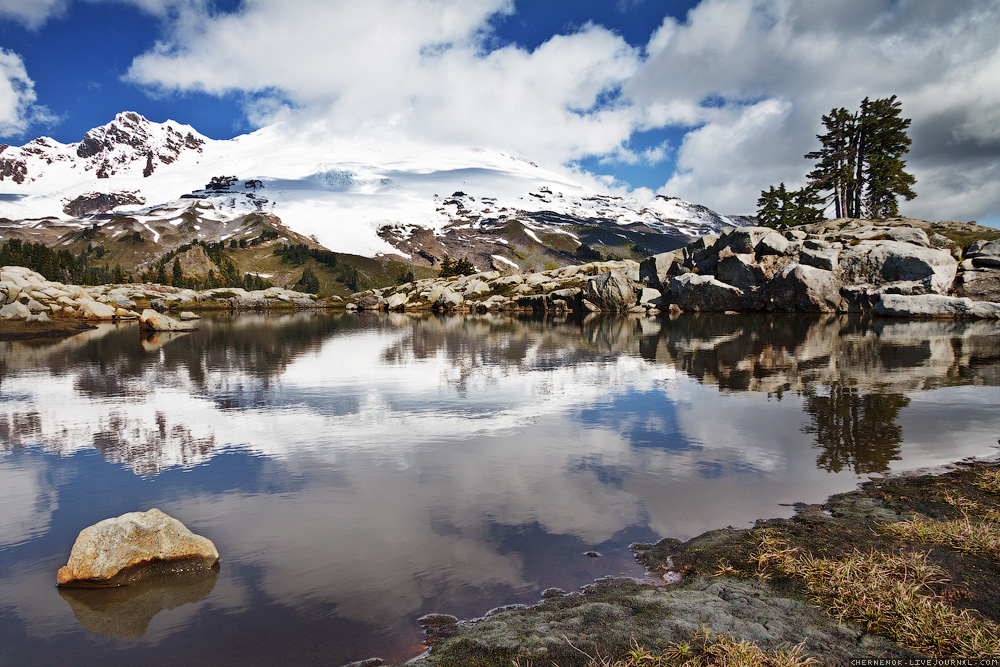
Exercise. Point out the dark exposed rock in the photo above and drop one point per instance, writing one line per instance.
(982, 285)
(100, 202)
(656, 271)
(806, 289)
(691, 291)
(12, 168)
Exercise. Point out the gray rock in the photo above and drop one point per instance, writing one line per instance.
(95, 310)
(738, 270)
(656, 271)
(986, 261)
(369, 302)
(983, 247)
(796, 235)
(151, 320)
(909, 235)
(934, 305)
(827, 258)
(397, 301)
(448, 300)
(879, 262)
(691, 291)
(122, 550)
(983, 285)
(610, 291)
(650, 296)
(14, 311)
(745, 239)
(773, 244)
(805, 289)
(571, 295)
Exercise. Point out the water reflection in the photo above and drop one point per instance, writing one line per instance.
(125, 612)
(855, 429)
(358, 471)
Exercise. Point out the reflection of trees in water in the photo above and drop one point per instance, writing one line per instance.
(854, 428)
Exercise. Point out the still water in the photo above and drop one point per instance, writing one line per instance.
(357, 472)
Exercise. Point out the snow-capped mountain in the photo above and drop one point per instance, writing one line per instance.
(368, 198)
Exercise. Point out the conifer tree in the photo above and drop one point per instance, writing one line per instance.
(860, 160)
(835, 169)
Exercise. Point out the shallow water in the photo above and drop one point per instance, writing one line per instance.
(357, 472)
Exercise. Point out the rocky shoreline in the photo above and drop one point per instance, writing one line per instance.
(897, 268)
(756, 586)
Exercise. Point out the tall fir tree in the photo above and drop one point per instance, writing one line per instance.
(887, 142)
(835, 170)
(860, 160)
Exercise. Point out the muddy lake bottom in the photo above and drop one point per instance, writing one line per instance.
(359, 471)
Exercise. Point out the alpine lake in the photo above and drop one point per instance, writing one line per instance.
(359, 471)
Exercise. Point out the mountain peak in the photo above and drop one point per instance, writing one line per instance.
(361, 195)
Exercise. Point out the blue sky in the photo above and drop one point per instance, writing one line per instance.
(709, 100)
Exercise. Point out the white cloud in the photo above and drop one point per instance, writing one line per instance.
(31, 13)
(17, 96)
(747, 79)
(941, 59)
(420, 68)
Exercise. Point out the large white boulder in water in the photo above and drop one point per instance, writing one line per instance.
(154, 321)
(119, 551)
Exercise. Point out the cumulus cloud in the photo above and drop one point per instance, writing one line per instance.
(17, 96)
(426, 69)
(733, 64)
(747, 80)
(31, 13)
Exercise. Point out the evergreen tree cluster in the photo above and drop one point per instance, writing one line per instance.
(450, 267)
(859, 169)
(299, 253)
(779, 207)
(61, 265)
(309, 282)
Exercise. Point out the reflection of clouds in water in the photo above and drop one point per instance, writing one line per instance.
(391, 534)
(336, 397)
(27, 503)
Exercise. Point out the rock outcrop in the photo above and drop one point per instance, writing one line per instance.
(836, 266)
(27, 295)
(119, 551)
(154, 321)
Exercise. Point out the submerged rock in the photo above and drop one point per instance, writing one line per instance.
(119, 551)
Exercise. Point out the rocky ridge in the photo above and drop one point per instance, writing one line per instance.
(351, 196)
(892, 269)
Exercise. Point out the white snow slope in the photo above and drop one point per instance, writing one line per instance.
(340, 191)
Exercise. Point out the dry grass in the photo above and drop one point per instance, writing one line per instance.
(889, 595)
(707, 650)
(972, 537)
(989, 480)
(971, 507)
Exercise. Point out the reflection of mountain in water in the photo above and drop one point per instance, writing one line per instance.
(277, 382)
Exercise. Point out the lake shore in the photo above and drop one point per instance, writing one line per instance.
(56, 328)
(904, 567)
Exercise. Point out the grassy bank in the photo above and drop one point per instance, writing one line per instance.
(902, 568)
